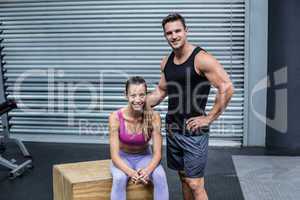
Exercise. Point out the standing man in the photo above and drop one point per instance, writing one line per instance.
(186, 77)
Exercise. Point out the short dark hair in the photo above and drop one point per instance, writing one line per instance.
(171, 18)
(135, 80)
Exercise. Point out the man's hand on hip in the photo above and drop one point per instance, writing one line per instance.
(196, 123)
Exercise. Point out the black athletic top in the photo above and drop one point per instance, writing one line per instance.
(187, 92)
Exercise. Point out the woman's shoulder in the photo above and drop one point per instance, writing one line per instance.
(114, 116)
(156, 116)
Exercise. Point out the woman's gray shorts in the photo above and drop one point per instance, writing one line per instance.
(187, 153)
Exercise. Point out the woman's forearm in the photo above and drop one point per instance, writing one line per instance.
(118, 162)
(154, 162)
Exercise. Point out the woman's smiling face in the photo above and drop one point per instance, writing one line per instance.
(136, 96)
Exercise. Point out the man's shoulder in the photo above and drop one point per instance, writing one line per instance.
(202, 54)
(202, 57)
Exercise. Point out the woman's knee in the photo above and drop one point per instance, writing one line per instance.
(120, 178)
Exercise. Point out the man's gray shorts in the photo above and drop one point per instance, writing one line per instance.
(187, 153)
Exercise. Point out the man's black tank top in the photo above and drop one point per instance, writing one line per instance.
(187, 92)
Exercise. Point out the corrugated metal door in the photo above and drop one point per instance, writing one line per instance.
(67, 60)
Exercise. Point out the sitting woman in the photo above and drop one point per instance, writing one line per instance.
(131, 129)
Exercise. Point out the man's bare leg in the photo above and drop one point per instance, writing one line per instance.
(186, 190)
(197, 187)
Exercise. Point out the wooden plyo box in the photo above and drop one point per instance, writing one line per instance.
(91, 181)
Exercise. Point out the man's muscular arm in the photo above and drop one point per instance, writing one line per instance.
(206, 64)
(160, 92)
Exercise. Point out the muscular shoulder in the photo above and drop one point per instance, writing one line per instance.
(203, 62)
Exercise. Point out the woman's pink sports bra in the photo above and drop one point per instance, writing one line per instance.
(129, 138)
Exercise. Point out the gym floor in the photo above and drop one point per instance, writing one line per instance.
(36, 184)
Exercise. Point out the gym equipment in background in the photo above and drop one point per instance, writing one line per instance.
(5, 107)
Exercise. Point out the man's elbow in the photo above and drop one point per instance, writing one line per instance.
(229, 90)
(156, 96)
(163, 95)
(226, 89)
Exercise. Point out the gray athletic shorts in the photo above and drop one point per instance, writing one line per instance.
(187, 153)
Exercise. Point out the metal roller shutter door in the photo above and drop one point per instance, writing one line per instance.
(67, 61)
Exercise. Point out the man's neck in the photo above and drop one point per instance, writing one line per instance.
(183, 51)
